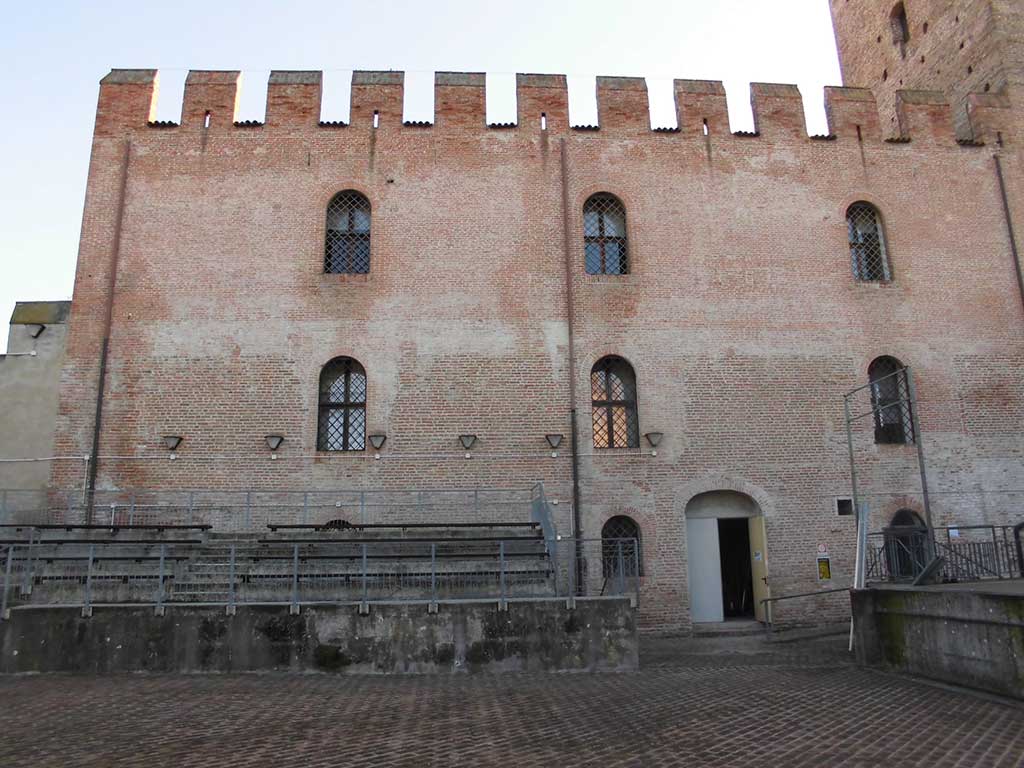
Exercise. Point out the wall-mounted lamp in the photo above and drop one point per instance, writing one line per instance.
(273, 443)
(654, 438)
(554, 441)
(377, 441)
(35, 330)
(467, 442)
(172, 442)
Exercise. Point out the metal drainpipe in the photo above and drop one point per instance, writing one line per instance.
(570, 312)
(107, 323)
(1009, 226)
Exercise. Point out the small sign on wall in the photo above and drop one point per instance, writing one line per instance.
(824, 568)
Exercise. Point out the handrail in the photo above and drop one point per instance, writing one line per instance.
(767, 601)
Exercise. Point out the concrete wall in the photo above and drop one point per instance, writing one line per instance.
(391, 639)
(969, 637)
(29, 391)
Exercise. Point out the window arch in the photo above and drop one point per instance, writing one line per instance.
(604, 235)
(347, 241)
(620, 547)
(906, 545)
(890, 401)
(341, 425)
(868, 255)
(900, 27)
(613, 400)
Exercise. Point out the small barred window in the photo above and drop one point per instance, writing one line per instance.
(613, 400)
(620, 547)
(868, 255)
(890, 401)
(342, 421)
(900, 27)
(604, 236)
(347, 243)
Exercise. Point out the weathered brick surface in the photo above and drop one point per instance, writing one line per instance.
(740, 314)
(959, 48)
(802, 706)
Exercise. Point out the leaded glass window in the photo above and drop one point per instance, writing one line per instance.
(613, 400)
(342, 421)
(347, 242)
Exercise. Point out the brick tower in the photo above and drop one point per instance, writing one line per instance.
(959, 47)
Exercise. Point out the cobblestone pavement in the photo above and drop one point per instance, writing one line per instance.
(695, 703)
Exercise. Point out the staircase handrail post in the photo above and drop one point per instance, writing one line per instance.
(87, 605)
(231, 580)
(622, 567)
(365, 586)
(433, 571)
(7, 581)
(160, 581)
(295, 578)
(501, 566)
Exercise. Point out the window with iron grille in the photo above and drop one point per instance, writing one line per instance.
(890, 401)
(604, 235)
(347, 242)
(620, 547)
(613, 397)
(867, 243)
(342, 421)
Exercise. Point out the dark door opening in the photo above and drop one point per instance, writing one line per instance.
(737, 585)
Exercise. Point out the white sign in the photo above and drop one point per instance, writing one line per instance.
(954, 533)
(822, 549)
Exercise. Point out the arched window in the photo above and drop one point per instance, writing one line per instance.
(867, 243)
(890, 401)
(342, 422)
(906, 548)
(900, 27)
(604, 235)
(613, 397)
(347, 243)
(620, 547)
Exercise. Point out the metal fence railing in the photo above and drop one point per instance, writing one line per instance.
(47, 571)
(253, 509)
(968, 553)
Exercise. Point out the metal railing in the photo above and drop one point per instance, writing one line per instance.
(769, 603)
(252, 509)
(231, 572)
(968, 552)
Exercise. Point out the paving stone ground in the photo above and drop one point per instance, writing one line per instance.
(710, 702)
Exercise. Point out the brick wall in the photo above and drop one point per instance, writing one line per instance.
(960, 47)
(740, 315)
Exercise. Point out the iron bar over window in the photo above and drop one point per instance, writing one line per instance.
(347, 243)
(890, 401)
(867, 243)
(613, 397)
(342, 422)
(604, 235)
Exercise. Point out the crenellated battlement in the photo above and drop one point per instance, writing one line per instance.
(127, 102)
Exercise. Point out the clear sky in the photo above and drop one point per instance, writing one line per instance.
(53, 54)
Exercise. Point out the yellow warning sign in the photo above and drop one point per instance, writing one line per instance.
(824, 569)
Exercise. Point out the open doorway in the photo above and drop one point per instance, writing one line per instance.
(726, 557)
(734, 555)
